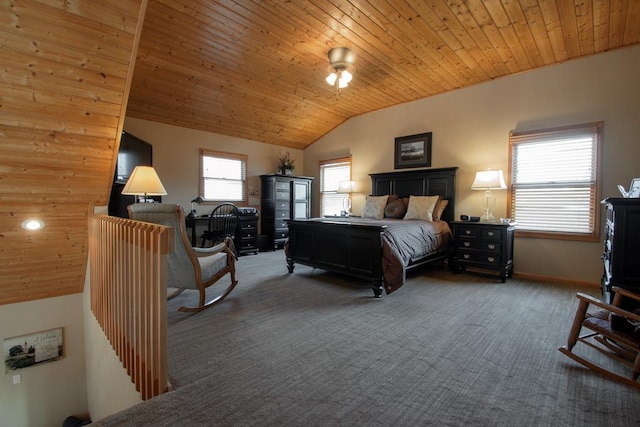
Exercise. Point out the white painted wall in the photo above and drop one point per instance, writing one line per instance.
(49, 392)
(471, 128)
(176, 152)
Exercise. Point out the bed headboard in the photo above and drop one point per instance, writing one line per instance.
(419, 182)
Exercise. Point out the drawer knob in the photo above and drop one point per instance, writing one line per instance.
(491, 259)
(467, 244)
(466, 256)
(467, 231)
(490, 233)
(491, 246)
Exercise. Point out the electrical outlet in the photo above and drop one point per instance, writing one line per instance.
(17, 379)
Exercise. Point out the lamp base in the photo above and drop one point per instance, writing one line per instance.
(487, 209)
(346, 205)
(488, 217)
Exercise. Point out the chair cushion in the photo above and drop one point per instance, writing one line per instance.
(211, 265)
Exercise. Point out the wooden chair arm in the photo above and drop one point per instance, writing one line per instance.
(625, 292)
(224, 246)
(611, 308)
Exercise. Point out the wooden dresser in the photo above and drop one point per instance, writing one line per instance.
(621, 255)
(283, 197)
(483, 245)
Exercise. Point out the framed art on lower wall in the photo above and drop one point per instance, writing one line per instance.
(413, 151)
(29, 350)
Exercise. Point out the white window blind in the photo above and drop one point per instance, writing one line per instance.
(554, 180)
(223, 176)
(331, 173)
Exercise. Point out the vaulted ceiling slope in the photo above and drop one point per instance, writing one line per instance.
(255, 69)
(64, 81)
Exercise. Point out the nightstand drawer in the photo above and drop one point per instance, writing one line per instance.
(490, 234)
(479, 257)
(248, 233)
(249, 225)
(467, 231)
(481, 245)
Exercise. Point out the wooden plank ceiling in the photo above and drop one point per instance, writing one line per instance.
(255, 69)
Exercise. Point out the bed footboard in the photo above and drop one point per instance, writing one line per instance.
(340, 246)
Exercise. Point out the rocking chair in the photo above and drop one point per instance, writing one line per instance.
(613, 331)
(188, 267)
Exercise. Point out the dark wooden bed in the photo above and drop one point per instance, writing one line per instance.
(353, 247)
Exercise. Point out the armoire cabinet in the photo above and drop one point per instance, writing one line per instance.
(283, 197)
(621, 255)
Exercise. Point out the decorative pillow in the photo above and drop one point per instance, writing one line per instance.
(374, 207)
(395, 209)
(421, 207)
(439, 209)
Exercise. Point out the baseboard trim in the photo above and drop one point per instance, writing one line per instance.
(558, 280)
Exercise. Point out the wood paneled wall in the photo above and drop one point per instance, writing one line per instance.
(64, 83)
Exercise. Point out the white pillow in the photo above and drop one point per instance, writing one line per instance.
(374, 207)
(421, 207)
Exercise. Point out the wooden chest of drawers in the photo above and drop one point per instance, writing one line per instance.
(283, 197)
(621, 254)
(483, 245)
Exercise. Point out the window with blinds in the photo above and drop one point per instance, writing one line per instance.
(223, 177)
(555, 182)
(331, 173)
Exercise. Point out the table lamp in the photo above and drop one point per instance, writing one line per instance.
(346, 187)
(143, 182)
(193, 212)
(489, 180)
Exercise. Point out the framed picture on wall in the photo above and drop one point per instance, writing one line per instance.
(413, 151)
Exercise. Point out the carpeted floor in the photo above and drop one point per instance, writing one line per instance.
(314, 348)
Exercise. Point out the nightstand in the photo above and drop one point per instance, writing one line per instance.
(246, 239)
(483, 245)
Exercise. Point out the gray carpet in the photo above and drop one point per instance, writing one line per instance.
(314, 348)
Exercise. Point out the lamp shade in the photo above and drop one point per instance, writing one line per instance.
(346, 187)
(144, 181)
(489, 180)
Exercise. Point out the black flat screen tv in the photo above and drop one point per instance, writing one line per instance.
(133, 152)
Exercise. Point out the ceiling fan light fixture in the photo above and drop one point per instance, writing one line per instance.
(341, 67)
(341, 78)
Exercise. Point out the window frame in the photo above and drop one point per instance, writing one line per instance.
(321, 165)
(228, 156)
(596, 129)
